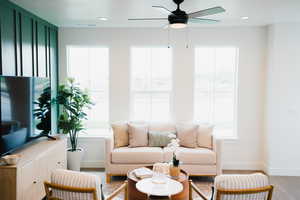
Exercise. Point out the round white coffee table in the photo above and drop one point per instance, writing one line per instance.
(170, 187)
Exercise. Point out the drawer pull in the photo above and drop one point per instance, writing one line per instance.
(34, 182)
(59, 163)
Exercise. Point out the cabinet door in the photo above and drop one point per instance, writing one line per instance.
(41, 42)
(27, 45)
(7, 28)
(60, 157)
(28, 182)
(57, 158)
(54, 158)
(43, 172)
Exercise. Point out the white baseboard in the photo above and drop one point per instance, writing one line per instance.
(242, 166)
(283, 171)
(93, 164)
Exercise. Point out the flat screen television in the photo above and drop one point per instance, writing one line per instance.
(19, 97)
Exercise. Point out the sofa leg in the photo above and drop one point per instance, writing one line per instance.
(108, 178)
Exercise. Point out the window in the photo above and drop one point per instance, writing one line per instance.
(215, 88)
(90, 68)
(151, 84)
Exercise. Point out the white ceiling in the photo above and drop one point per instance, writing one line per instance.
(82, 13)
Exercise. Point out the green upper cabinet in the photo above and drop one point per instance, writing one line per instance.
(24, 43)
(8, 46)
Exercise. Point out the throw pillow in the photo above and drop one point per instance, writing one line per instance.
(138, 135)
(187, 134)
(159, 138)
(204, 138)
(120, 132)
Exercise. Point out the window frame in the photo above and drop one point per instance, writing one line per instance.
(234, 134)
(132, 93)
(102, 124)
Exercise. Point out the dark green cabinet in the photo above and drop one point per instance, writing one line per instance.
(28, 47)
(24, 43)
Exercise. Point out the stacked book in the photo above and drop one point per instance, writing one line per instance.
(143, 172)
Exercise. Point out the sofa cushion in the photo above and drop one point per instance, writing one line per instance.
(138, 155)
(204, 138)
(201, 156)
(138, 135)
(120, 131)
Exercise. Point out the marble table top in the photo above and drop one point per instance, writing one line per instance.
(167, 187)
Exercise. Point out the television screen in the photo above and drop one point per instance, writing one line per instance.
(21, 101)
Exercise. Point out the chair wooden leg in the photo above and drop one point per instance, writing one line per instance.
(190, 190)
(126, 191)
(108, 178)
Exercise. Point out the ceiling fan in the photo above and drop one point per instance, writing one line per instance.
(179, 18)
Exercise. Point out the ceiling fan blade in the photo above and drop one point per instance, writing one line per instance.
(146, 19)
(209, 11)
(203, 20)
(163, 9)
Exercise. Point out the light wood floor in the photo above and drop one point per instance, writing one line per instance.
(286, 188)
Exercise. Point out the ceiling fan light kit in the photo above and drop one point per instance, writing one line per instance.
(179, 19)
(177, 25)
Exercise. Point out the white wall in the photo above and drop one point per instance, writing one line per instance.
(283, 100)
(246, 151)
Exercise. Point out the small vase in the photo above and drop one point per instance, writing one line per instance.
(174, 171)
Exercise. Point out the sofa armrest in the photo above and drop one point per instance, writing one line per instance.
(109, 146)
(217, 147)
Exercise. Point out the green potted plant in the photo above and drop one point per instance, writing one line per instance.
(73, 102)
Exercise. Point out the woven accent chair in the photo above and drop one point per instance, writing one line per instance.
(72, 185)
(238, 187)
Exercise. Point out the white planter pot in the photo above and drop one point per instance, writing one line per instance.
(74, 159)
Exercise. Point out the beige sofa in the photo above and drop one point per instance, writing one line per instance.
(196, 161)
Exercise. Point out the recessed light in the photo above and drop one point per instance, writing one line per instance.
(102, 18)
(244, 18)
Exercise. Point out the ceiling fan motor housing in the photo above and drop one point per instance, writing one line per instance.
(178, 1)
(178, 16)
